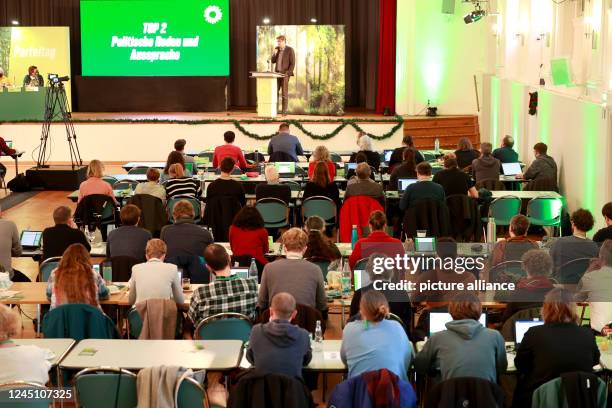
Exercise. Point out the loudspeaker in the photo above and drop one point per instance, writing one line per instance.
(448, 6)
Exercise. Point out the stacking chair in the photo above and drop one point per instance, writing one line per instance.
(5, 393)
(322, 206)
(224, 326)
(275, 212)
(110, 180)
(138, 170)
(502, 209)
(508, 271)
(322, 264)
(335, 157)
(191, 394)
(125, 184)
(254, 157)
(545, 211)
(361, 264)
(571, 272)
(206, 155)
(293, 185)
(194, 202)
(103, 387)
(46, 267)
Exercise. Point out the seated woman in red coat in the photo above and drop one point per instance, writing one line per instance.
(248, 236)
(321, 154)
(377, 242)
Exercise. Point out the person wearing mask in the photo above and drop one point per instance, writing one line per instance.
(543, 167)
(94, 183)
(248, 236)
(155, 279)
(423, 189)
(128, 239)
(506, 153)
(20, 362)
(322, 184)
(321, 154)
(277, 346)
(486, 167)
(294, 275)
(272, 188)
(444, 354)
(174, 157)
(184, 237)
(152, 186)
(181, 186)
(365, 146)
(403, 170)
(10, 246)
(576, 246)
(179, 146)
(549, 350)
(58, 238)
(595, 287)
(375, 342)
(606, 232)
(33, 78)
(397, 157)
(365, 186)
(319, 247)
(513, 248)
(225, 186)
(229, 149)
(227, 293)
(453, 180)
(465, 153)
(75, 281)
(286, 143)
(377, 242)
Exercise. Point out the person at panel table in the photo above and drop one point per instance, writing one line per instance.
(33, 78)
(4, 80)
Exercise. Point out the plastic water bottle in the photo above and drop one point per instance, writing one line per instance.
(354, 236)
(318, 337)
(437, 145)
(491, 231)
(345, 279)
(253, 269)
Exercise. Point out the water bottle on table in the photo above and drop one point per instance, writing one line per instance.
(318, 337)
(253, 269)
(345, 279)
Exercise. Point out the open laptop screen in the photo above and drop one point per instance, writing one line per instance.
(285, 167)
(403, 184)
(240, 272)
(438, 320)
(511, 169)
(31, 238)
(521, 327)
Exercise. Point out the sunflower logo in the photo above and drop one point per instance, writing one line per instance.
(213, 14)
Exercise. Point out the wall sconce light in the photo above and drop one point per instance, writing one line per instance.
(544, 37)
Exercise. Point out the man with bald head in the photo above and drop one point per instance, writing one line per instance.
(279, 347)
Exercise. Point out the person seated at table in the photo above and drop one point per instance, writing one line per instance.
(506, 153)
(155, 279)
(486, 167)
(174, 157)
(321, 154)
(225, 185)
(294, 275)
(558, 346)
(453, 180)
(375, 342)
(248, 236)
(184, 237)
(322, 184)
(179, 146)
(351, 176)
(365, 146)
(606, 232)
(75, 281)
(94, 183)
(399, 301)
(10, 246)
(595, 287)
(377, 242)
(543, 167)
(56, 239)
(229, 149)
(577, 245)
(4, 149)
(128, 239)
(286, 143)
(33, 78)
(19, 362)
(405, 169)
(423, 189)
(180, 185)
(465, 153)
(445, 354)
(227, 293)
(365, 186)
(277, 346)
(272, 187)
(513, 248)
(152, 186)
(319, 247)
(4, 80)
(397, 157)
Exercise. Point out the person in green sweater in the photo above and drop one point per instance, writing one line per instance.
(424, 189)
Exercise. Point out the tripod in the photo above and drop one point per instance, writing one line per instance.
(56, 100)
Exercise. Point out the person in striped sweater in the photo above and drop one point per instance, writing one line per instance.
(181, 186)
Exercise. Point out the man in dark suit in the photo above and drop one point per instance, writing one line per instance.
(65, 233)
(284, 58)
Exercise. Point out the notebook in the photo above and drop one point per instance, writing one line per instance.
(511, 169)
(438, 320)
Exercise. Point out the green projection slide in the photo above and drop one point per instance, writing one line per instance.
(155, 37)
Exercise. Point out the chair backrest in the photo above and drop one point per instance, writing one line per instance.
(322, 264)
(322, 206)
(507, 329)
(293, 185)
(552, 393)
(541, 184)
(125, 184)
(207, 155)
(466, 392)
(96, 209)
(300, 171)
(275, 212)
(46, 267)
(254, 157)
(78, 321)
(191, 394)
(110, 180)
(152, 213)
(571, 272)
(502, 209)
(545, 211)
(197, 209)
(393, 316)
(7, 388)
(138, 170)
(335, 157)
(281, 157)
(219, 215)
(224, 326)
(361, 264)
(235, 171)
(508, 271)
(134, 324)
(104, 387)
(122, 267)
(491, 185)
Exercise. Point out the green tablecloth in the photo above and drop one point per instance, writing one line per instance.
(22, 105)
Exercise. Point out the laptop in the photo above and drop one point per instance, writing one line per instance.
(9, 143)
(521, 327)
(387, 155)
(240, 272)
(426, 244)
(285, 169)
(403, 183)
(511, 169)
(360, 278)
(31, 239)
(438, 320)
(349, 166)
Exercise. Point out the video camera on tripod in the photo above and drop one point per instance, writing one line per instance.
(55, 79)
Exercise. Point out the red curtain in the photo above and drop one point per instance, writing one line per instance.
(385, 95)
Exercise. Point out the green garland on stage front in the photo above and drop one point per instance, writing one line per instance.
(354, 123)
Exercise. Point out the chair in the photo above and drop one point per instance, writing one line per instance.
(191, 394)
(78, 321)
(542, 184)
(281, 157)
(224, 326)
(545, 211)
(207, 155)
(322, 206)
(572, 271)
(553, 393)
(335, 157)
(393, 316)
(46, 267)
(465, 392)
(197, 209)
(301, 172)
(138, 170)
(122, 267)
(491, 185)
(152, 213)
(322, 264)
(361, 264)
(219, 215)
(355, 391)
(274, 212)
(465, 219)
(502, 209)
(135, 324)
(254, 157)
(257, 389)
(102, 387)
(508, 271)
(430, 215)
(125, 184)
(5, 394)
(193, 267)
(429, 156)
(507, 329)
(97, 210)
(110, 180)
(293, 185)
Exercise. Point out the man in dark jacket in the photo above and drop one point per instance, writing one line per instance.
(279, 347)
(65, 233)
(284, 60)
(543, 167)
(486, 167)
(506, 153)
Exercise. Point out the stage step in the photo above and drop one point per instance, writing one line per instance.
(448, 129)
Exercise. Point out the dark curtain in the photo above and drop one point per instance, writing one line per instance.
(385, 96)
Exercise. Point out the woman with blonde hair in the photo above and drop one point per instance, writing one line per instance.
(94, 183)
(180, 185)
(75, 281)
(321, 154)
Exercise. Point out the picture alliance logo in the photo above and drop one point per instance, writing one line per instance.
(213, 14)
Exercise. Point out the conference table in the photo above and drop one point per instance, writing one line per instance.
(22, 104)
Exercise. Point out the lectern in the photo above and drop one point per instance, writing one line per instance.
(267, 93)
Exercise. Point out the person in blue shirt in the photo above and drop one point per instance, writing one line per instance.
(506, 153)
(375, 343)
(286, 143)
(423, 189)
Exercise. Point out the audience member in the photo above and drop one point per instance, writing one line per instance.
(465, 348)
(365, 146)
(506, 153)
(94, 183)
(403, 170)
(279, 347)
(423, 189)
(365, 186)
(174, 158)
(596, 288)
(227, 293)
(19, 362)
(155, 279)
(576, 246)
(225, 186)
(398, 155)
(10, 245)
(321, 154)
(543, 167)
(272, 188)
(152, 186)
(75, 281)
(248, 235)
(350, 174)
(453, 180)
(549, 350)
(4, 147)
(294, 275)
(319, 247)
(184, 237)
(513, 248)
(465, 153)
(128, 239)
(486, 167)
(375, 342)
(181, 186)
(179, 146)
(229, 150)
(286, 143)
(606, 232)
(377, 242)
(321, 184)
(56, 239)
